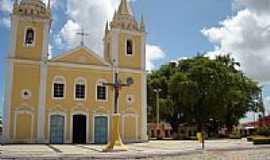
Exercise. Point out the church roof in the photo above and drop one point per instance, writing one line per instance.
(81, 55)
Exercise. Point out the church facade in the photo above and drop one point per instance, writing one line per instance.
(64, 99)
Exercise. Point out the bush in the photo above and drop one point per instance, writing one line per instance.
(264, 131)
(261, 140)
(235, 136)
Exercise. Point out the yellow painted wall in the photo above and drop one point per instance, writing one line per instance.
(69, 104)
(23, 126)
(80, 56)
(35, 52)
(130, 128)
(133, 61)
(134, 90)
(25, 77)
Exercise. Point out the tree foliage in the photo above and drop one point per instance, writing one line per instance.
(199, 90)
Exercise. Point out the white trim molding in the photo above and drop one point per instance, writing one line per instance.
(87, 124)
(49, 125)
(143, 114)
(115, 46)
(80, 66)
(42, 102)
(143, 55)
(108, 125)
(14, 27)
(45, 49)
(7, 101)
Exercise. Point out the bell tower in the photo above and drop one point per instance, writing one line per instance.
(124, 41)
(30, 26)
(27, 57)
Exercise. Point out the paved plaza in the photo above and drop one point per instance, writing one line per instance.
(154, 150)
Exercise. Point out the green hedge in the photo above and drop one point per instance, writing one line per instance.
(264, 131)
(258, 141)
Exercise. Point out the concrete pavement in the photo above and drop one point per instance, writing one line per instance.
(152, 150)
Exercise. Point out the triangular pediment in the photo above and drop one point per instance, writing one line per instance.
(81, 55)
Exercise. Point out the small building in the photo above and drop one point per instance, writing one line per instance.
(188, 131)
(160, 131)
(249, 128)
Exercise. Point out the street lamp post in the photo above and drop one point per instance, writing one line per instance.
(157, 108)
(115, 143)
(157, 105)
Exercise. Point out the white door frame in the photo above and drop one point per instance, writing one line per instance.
(87, 124)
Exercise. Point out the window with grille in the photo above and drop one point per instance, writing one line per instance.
(80, 91)
(58, 90)
(101, 93)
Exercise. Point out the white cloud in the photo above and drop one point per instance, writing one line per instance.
(92, 17)
(50, 48)
(267, 105)
(5, 9)
(153, 53)
(246, 36)
(6, 6)
(5, 21)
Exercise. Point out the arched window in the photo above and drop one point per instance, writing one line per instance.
(80, 89)
(29, 37)
(59, 87)
(129, 47)
(101, 91)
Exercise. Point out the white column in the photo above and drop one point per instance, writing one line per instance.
(43, 86)
(42, 102)
(7, 102)
(143, 56)
(9, 80)
(115, 46)
(144, 136)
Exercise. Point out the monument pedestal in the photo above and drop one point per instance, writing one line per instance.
(115, 144)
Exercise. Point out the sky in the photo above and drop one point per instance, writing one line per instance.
(175, 29)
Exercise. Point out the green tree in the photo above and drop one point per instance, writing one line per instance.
(199, 89)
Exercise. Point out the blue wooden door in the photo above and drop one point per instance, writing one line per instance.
(57, 129)
(101, 130)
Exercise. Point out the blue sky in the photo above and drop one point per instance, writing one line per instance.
(175, 29)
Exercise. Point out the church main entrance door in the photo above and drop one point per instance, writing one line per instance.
(79, 129)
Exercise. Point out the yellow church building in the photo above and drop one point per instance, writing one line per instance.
(64, 99)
